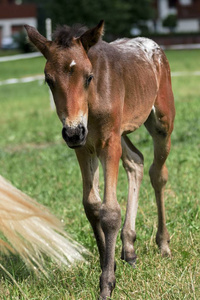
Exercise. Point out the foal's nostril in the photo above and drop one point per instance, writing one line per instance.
(64, 133)
(74, 136)
(82, 130)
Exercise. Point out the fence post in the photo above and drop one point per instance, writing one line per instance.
(48, 24)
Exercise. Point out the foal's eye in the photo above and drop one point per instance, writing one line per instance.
(49, 81)
(88, 80)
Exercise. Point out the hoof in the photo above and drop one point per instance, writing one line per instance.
(163, 244)
(104, 298)
(130, 259)
(165, 251)
(132, 262)
(106, 292)
(106, 287)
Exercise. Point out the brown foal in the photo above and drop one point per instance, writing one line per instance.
(102, 92)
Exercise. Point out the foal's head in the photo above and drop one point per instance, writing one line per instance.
(68, 72)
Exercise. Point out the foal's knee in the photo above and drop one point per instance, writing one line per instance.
(110, 218)
(92, 206)
(158, 176)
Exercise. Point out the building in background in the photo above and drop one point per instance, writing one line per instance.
(186, 12)
(12, 18)
(170, 16)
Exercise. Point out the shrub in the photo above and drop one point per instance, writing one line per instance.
(171, 22)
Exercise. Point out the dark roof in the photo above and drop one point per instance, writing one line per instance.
(10, 11)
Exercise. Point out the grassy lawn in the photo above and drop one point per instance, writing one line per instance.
(9, 52)
(36, 160)
(21, 68)
(179, 60)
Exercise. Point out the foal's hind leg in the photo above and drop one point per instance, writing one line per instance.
(91, 199)
(160, 127)
(133, 164)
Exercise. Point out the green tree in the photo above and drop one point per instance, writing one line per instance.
(141, 10)
(170, 22)
(116, 13)
(119, 15)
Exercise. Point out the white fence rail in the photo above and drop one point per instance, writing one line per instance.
(22, 80)
(20, 56)
(41, 77)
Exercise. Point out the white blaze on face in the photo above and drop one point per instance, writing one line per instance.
(73, 63)
(81, 118)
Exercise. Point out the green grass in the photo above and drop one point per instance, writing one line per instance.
(184, 60)
(9, 52)
(36, 160)
(181, 61)
(21, 68)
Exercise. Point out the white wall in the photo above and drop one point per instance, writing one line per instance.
(6, 25)
(184, 25)
(164, 10)
(185, 2)
(187, 25)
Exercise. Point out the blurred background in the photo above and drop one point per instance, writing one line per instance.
(168, 22)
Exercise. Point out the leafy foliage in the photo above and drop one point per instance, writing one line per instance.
(119, 15)
(23, 44)
(170, 21)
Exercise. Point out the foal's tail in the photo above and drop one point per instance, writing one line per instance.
(30, 230)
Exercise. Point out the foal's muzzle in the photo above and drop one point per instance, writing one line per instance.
(74, 136)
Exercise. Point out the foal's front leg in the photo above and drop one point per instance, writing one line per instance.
(91, 199)
(110, 213)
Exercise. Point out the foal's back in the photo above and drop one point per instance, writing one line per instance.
(128, 72)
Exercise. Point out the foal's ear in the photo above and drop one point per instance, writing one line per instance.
(91, 36)
(40, 42)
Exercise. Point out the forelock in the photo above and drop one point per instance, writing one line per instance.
(63, 35)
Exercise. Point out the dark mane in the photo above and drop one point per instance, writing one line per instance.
(63, 35)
